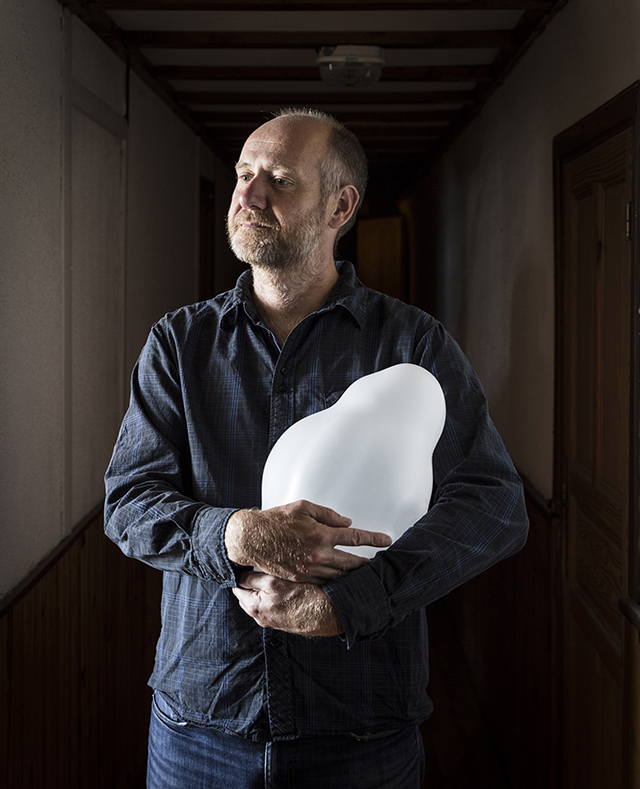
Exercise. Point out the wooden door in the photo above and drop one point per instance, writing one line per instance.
(600, 648)
(381, 255)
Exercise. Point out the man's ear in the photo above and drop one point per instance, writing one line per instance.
(345, 202)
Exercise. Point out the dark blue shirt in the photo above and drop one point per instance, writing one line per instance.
(210, 395)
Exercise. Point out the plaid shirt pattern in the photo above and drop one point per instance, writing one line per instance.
(210, 395)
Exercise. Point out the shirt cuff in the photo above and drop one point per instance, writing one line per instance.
(362, 604)
(209, 551)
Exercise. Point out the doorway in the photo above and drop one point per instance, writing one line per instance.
(206, 275)
(381, 255)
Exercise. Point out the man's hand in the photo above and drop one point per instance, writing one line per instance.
(297, 542)
(282, 605)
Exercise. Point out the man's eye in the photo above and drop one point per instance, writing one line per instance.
(244, 177)
(281, 181)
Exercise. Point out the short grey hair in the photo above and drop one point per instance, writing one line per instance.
(346, 163)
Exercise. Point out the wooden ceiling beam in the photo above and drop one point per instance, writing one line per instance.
(315, 5)
(278, 39)
(402, 148)
(305, 99)
(350, 118)
(390, 145)
(391, 131)
(400, 145)
(312, 73)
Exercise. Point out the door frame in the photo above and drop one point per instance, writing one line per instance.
(621, 112)
(207, 229)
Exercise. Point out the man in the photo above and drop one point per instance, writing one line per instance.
(283, 660)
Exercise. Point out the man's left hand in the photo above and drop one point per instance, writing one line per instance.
(284, 605)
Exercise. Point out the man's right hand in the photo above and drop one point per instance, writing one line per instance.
(297, 542)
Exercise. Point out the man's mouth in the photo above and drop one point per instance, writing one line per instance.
(254, 223)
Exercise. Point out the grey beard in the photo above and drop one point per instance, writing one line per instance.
(276, 250)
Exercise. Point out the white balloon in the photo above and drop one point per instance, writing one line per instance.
(368, 457)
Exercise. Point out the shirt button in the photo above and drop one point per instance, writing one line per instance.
(282, 388)
(284, 371)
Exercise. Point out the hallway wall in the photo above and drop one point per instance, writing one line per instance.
(99, 197)
(99, 188)
(487, 214)
(483, 221)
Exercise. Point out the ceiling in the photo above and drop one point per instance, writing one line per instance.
(224, 66)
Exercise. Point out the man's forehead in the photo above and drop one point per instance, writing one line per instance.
(265, 146)
(283, 140)
(265, 162)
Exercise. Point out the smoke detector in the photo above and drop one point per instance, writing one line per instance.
(350, 65)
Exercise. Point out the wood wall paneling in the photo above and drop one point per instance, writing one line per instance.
(507, 624)
(77, 650)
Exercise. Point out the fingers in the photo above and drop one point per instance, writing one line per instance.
(341, 533)
(324, 515)
(297, 542)
(323, 528)
(264, 597)
(297, 608)
(250, 579)
(376, 539)
(251, 604)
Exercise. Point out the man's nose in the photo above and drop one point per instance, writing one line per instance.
(252, 194)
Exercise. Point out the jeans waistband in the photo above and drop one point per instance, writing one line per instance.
(376, 735)
(166, 711)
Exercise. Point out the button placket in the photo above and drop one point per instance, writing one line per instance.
(282, 395)
(283, 386)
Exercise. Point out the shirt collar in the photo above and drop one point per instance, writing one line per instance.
(348, 293)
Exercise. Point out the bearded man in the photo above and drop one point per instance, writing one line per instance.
(284, 661)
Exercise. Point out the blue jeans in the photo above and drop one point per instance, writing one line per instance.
(184, 756)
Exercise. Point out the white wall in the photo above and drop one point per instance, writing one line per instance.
(31, 336)
(494, 188)
(162, 227)
(98, 239)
